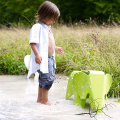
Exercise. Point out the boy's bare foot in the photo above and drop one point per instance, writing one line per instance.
(39, 101)
(47, 103)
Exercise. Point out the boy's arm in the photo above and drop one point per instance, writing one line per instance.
(38, 58)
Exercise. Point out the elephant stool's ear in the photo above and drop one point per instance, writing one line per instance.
(81, 84)
(108, 82)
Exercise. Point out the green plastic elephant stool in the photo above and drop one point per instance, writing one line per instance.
(93, 85)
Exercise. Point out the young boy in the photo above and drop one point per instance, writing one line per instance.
(43, 49)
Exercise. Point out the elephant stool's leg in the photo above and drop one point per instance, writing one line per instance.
(98, 103)
(78, 101)
(82, 102)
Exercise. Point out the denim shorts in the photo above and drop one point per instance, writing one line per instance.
(46, 79)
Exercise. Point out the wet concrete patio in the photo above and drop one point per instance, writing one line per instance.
(18, 97)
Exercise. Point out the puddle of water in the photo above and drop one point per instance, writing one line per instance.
(18, 101)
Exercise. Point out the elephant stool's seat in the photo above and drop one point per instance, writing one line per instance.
(93, 85)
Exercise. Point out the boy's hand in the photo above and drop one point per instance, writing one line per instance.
(38, 59)
(59, 50)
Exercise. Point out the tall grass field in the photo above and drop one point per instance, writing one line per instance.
(85, 48)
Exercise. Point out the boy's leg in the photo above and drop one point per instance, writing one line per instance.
(39, 99)
(45, 97)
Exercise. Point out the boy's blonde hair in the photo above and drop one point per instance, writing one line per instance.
(46, 11)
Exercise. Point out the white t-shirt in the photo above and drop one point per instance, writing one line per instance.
(39, 35)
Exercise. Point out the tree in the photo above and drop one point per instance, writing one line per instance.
(24, 11)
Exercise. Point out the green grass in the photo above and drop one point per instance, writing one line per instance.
(14, 45)
(86, 48)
